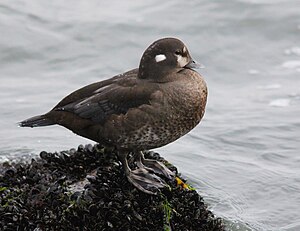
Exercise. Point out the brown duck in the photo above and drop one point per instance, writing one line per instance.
(141, 109)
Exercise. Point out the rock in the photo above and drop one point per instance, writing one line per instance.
(86, 189)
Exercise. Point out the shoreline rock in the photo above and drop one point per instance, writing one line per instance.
(86, 189)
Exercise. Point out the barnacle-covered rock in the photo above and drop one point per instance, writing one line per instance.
(86, 189)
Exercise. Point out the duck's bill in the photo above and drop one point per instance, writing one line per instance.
(194, 65)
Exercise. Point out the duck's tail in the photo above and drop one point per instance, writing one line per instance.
(36, 121)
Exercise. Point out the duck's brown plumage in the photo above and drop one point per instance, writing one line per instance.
(140, 109)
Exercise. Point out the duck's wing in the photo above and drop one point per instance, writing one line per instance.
(116, 96)
(89, 90)
(83, 102)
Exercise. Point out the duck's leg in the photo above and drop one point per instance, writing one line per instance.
(138, 158)
(154, 165)
(141, 178)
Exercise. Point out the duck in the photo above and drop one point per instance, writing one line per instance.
(141, 109)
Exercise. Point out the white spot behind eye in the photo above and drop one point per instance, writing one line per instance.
(160, 57)
(182, 61)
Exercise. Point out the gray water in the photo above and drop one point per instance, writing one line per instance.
(243, 157)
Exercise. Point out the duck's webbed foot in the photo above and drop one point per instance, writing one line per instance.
(145, 181)
(141, 178)
(154, 165)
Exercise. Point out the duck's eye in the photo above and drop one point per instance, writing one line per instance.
(178, 52)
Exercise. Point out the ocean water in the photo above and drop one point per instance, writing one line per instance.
(244, 156)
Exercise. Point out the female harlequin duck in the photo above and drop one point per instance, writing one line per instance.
(141, 109)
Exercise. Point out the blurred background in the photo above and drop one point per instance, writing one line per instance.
(243, 157)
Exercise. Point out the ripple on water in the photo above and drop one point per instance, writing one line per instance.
(270, 86)
(253, 72)
(292, 51)
(280, 103)
(291, 64)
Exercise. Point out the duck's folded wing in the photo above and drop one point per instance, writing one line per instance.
(113, 99)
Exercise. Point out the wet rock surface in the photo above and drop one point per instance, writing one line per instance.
(86, 189)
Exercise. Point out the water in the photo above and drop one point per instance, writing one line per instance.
(244, 157)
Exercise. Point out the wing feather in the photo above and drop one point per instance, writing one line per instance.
(116, 97)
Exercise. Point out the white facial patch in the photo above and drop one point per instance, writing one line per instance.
(182, 61)
(160, 57)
